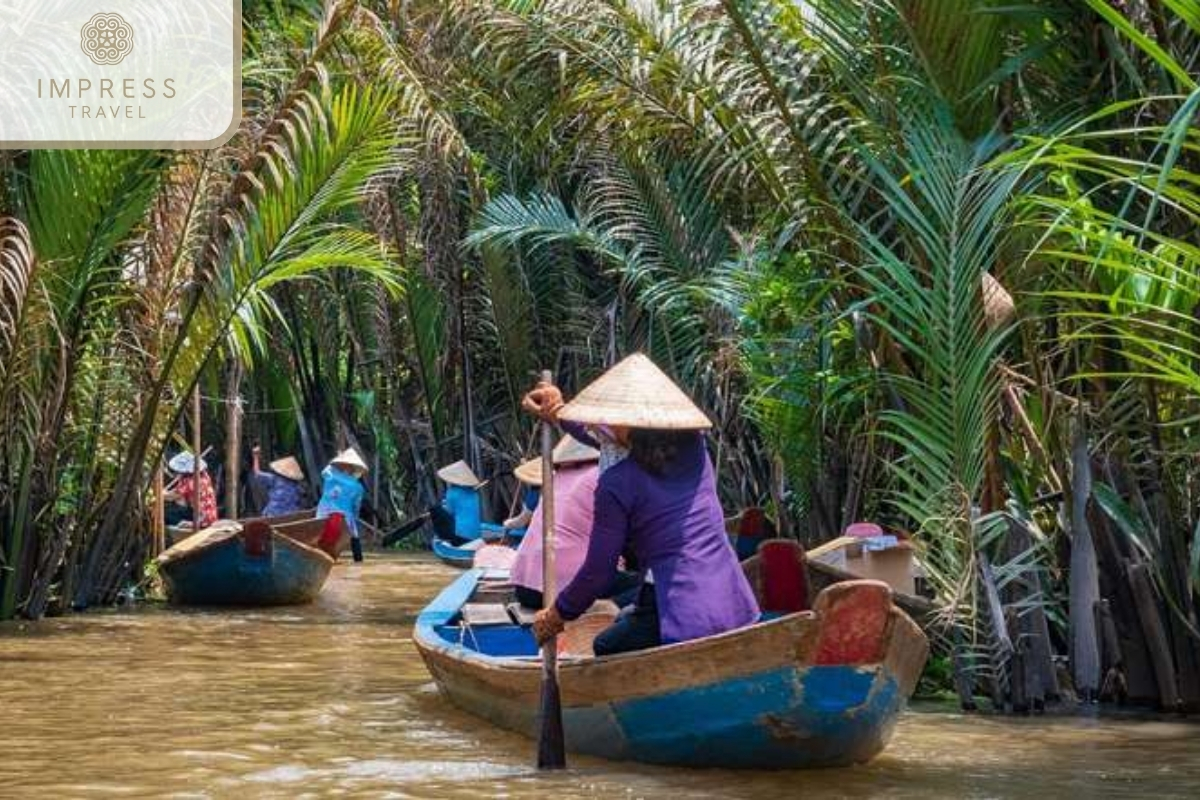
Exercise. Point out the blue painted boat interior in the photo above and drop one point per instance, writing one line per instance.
(501, 641)
(492, 640)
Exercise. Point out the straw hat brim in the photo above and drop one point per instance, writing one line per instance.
(350, 458)
(288, 467)
(460, 474)
(636, 394)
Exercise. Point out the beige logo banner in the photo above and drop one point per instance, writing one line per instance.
(119, 73)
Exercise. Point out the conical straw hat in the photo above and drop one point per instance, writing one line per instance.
(459, 474)
(569, 450)
(288, 467)
(529, 472)
(184, 463)
(349, 458)
(637, 394)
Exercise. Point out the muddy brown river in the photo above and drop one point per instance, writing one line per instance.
(332, 700)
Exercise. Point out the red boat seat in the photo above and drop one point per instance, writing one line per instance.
(256, 537)
(784, 580)
(854, 622)
(331, 533)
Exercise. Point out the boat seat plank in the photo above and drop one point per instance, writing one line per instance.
(477, 614)
(520, 614)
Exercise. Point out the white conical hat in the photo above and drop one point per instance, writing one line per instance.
(288, 467)
(637, 394)
(349, 458)
(459, 474)
(185, 464)
(569, 450)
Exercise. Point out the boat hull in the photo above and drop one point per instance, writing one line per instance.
(227, 573)
(805, 690)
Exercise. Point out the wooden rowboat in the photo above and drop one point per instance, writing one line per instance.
(250, 565)
(808, 689)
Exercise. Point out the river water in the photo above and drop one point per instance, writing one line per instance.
(332, 700)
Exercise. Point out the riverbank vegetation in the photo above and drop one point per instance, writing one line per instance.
(929, 264)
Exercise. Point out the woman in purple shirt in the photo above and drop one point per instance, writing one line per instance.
(661, 503)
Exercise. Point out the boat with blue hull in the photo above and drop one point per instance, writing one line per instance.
(250, 565)
(460, 557)
(812, 688)
(463, 556)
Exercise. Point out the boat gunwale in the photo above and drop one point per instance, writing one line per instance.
(236, 539)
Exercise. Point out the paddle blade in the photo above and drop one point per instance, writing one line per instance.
(552, 745)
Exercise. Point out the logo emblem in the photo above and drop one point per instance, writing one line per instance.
(107, 39)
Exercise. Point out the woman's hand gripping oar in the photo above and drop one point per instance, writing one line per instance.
(552, 748)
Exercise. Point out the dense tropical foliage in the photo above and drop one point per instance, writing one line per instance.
(928, 263)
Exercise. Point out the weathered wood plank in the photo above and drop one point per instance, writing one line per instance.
(1156, 635)
(1085, 579)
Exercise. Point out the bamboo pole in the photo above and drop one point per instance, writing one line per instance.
(159, 523)
(233, 440)
(197, 457)
(551, 741)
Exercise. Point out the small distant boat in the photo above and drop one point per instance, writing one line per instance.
(816, 688)
(846, 559)
(463, 556)
(454, 555)
(251, 563)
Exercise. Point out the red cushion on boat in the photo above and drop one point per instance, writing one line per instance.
(785, 585)
(257, 538)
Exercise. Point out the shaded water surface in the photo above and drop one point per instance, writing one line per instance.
(332, 700)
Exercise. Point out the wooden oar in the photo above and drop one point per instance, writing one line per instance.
(404, 530)
(552, 749)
